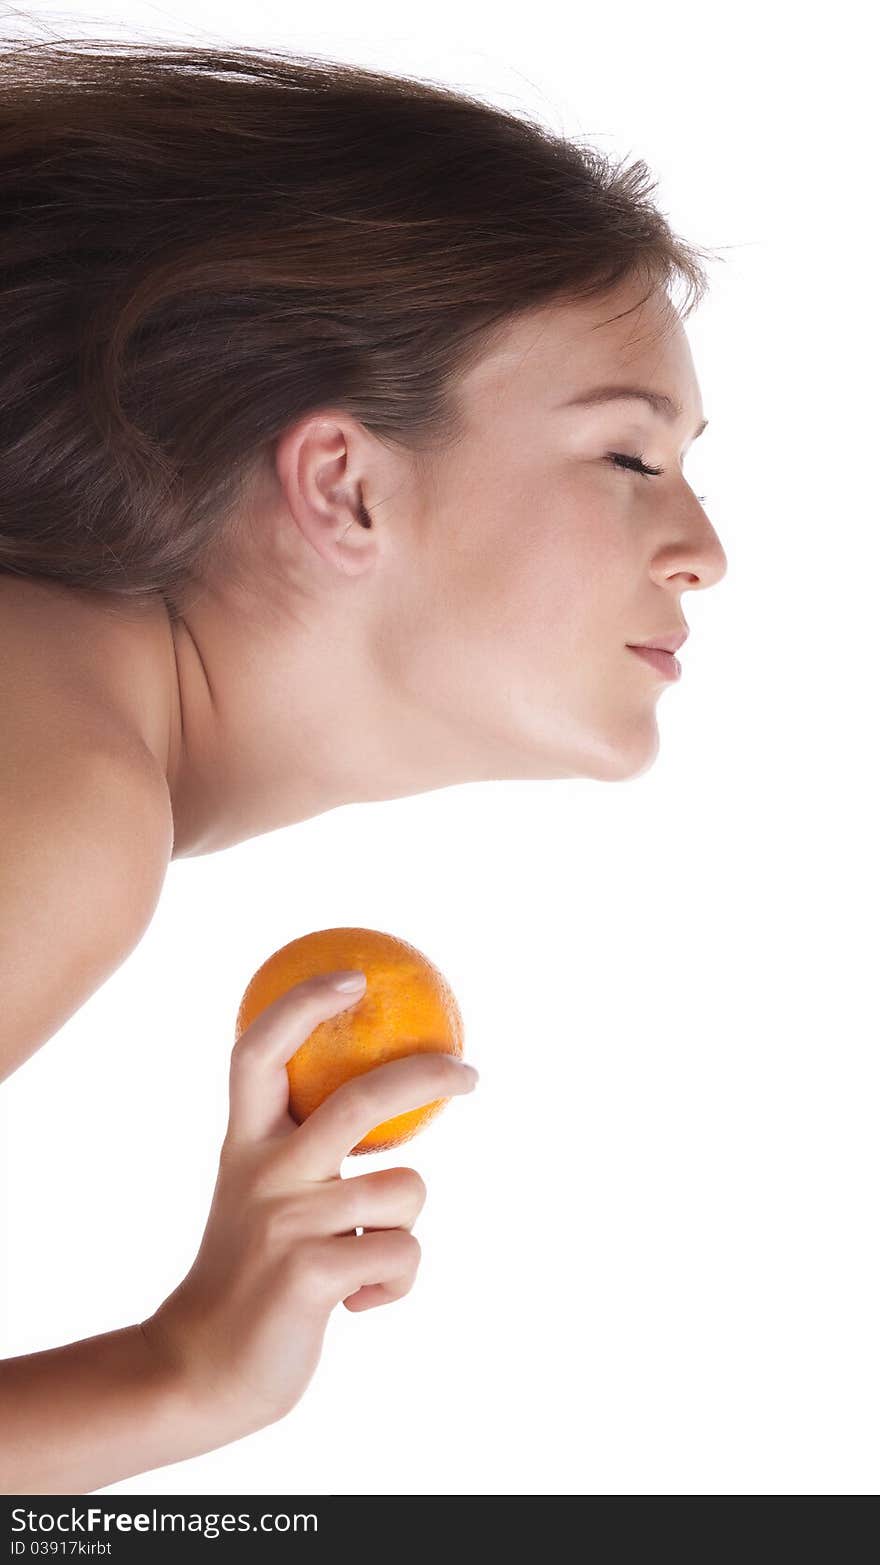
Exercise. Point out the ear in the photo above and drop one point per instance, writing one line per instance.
(322, 463)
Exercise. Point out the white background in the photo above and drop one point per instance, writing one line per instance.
(650, 1239)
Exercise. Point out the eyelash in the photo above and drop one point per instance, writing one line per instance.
(634, 464)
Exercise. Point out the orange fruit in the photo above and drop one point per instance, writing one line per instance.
(407, 1008)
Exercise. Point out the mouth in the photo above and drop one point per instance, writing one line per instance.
(665, 641)
(664, 662)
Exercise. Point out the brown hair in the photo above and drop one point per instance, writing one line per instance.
(199, 246)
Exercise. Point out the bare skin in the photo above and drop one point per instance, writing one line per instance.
(234, 1347)
(479, 629)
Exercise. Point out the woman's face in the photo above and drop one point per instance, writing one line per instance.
(479, 628)
(540, 557)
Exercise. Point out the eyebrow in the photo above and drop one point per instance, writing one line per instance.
(665, 406)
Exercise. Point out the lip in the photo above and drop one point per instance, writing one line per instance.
(664, 643)
(664, 662)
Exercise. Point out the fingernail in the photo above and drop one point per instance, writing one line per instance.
(472, 1071)
(348, 980)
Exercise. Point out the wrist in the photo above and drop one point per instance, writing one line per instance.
(193, 1397)
(183, 1419)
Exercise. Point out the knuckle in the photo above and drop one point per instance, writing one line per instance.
(274, 1171)
(407, 1247)
(251, 1173)
(410, 1184)
(240, 1179)
(268, 1223)
(360, 1101)
(260, 1187)
(242, 1053)
(255, 1182)
(282, 1220)
(312, 1272)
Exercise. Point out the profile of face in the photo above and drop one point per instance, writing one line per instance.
(511, 573)
(544, 555)
(481, 626)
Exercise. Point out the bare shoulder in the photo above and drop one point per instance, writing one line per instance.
(86, 841)
(84, 852)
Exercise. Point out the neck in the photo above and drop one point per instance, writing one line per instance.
(270, 727)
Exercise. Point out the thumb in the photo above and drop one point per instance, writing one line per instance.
(259, 1089)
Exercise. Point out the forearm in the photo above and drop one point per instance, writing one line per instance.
(79, 1417)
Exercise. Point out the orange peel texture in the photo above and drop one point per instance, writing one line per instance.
(407, 1008)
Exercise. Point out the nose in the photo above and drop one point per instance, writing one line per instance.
(699, 555)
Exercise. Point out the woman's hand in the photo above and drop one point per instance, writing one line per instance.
(244, 1329)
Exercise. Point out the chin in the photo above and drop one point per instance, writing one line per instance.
(626, 756)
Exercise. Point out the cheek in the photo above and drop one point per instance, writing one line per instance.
(528, 558)
(569, 579)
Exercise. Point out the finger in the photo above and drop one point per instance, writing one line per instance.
(317, 1147)
(386, 1260)
(389, 1198)
(367, 1298)
(259, 1087)
(371, 1294)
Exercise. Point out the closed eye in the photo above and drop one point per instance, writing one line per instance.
(634, 464)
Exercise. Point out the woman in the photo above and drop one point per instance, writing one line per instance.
(343, 422)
